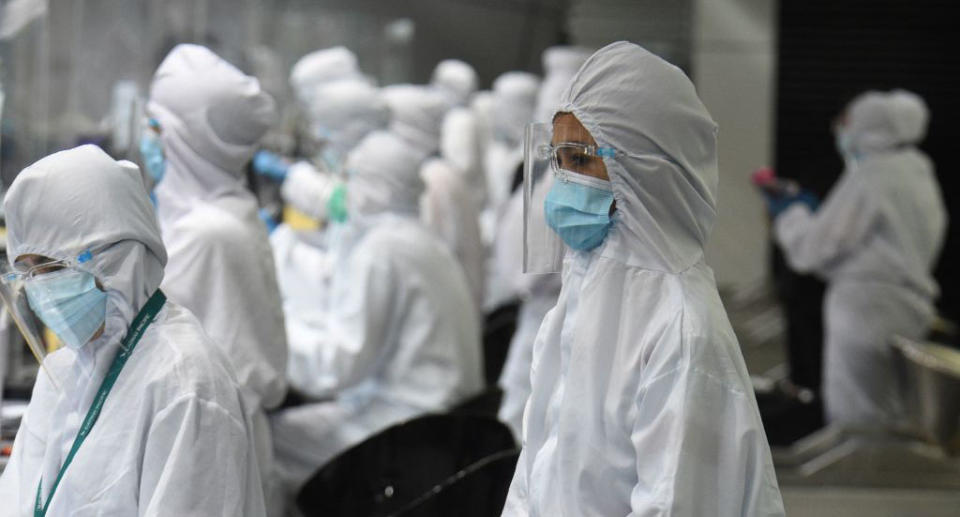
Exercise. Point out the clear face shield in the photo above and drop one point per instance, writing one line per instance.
(12, 282)
(554, 153)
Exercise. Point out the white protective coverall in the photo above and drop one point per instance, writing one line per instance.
(538, 292)
(349, 110)
(173, 437)
(875, 239)
(449, 207)
(400, 339)
(220, 264)
(641, 403)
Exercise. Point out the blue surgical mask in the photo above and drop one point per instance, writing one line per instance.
(843, 142)
(151, 149)
(68, 303)
(578, 209)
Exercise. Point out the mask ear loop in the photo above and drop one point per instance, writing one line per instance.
(84, 257)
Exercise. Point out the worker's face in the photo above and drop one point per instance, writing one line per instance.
(567, 129)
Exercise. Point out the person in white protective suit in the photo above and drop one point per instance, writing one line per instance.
(220, 265)
(400, 338)
(875, 239)
(348, 111)
(460, 140)
(538, 292)
(514, 101)
(173, 436)
(449, 208)
(641, 403)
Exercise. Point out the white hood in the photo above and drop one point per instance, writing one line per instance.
(665, 183)
(81, 199)
(346, 111)
(417, 115)
(514, 100)
(384, 176)
(456, 79)
(881, 121)
(211, 116)
(323, 66)
(560, 64)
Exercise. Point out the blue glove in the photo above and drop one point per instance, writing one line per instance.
(776, 205)
(268, 220)
(270, 165)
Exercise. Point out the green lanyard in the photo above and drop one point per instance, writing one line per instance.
(137, 329)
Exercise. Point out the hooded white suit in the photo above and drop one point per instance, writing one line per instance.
(221, 266)
(401, 338)
(875, 240)
(349, 110)
(449, 206)
(174, 437)
(641, 403)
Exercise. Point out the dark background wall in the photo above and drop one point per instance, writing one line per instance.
(831, 50)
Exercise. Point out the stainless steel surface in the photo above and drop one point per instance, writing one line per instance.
(930, 379)
(842, 458)
(857, 502)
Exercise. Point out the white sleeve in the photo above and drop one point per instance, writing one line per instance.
(358, 328)
(224, 274)
(813, 242)
(198, 460)
(700, 450)
(308, 190)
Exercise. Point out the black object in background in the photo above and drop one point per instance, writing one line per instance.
(480, 490)
(398, 467)
(498, 329)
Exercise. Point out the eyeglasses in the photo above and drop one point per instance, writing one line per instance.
(574, 156)
(24, 271)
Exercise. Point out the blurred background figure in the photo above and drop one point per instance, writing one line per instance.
(347, 110)
(400, 336)
(210, 117)
(514, 99)
(875, 239)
